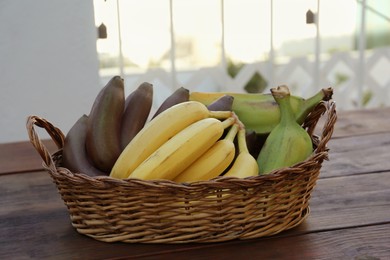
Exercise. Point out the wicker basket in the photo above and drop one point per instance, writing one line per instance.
(162, 211)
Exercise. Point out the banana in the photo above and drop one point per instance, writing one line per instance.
(260, 112)
(137, 108)
(213, 162)
(181, 150)
(245, 165)
(158, 131)
(254, 142)
(104, 125)
(178, 96)
(223, 103)
(288, 143)
(74, 155)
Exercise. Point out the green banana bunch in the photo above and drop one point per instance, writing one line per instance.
(259, 112)
(137, 108)
(74, 155)
(104, 125)
(288, 143)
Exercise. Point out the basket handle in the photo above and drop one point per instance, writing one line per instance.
(329, 108)
(327, 130)
(55, 133)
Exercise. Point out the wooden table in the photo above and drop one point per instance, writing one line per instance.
(350, 208)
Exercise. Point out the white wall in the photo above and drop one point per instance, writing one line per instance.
(48, 63)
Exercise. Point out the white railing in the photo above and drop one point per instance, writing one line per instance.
(339, 70)
(359, 77)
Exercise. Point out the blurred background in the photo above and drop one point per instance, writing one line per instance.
(55, 56)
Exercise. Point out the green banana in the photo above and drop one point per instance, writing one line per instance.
(137, 108)
(74, 155)
(288, 143)
(223, 103)
(178, 96)
(260, 112)
(104, 125)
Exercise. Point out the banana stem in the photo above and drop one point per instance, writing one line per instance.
(228, 122)
(238, 121)
(242, 146)
(232, 132)
(308, 104)
(220, 114)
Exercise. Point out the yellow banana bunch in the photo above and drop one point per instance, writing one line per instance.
(213, 162)
(180, 151)
(159, 130)
(245, 164)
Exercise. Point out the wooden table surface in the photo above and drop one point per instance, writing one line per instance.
(350, 208)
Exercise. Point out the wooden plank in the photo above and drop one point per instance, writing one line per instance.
(366, 121)
(34, 221)
(349, 201)
(21, 157)
(357, 155)
(372, 242)
(27, 192)
(360, 122)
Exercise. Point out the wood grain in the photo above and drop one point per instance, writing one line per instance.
(357, 155)
(21, 157)
(368, 243)
(349, 201)
(360, 122)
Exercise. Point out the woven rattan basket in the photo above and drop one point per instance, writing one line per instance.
(162, 211)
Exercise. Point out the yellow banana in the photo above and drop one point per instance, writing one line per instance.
(260, 112)
(288, 143)
(245, 164)
(159, 130)
(213, 162)
(181, 150)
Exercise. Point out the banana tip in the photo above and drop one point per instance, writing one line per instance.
(328, 93)
(280, 91)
